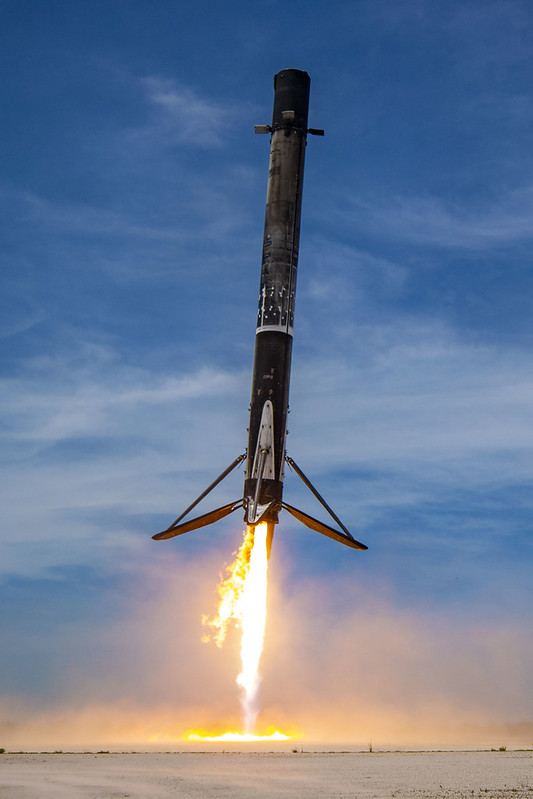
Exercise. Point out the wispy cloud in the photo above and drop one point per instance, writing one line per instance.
(83, 435)
(425, 435)
(182, 116)
(44, 413)
(430, 220)
(67, 219)
(416, 394)
(427, 414)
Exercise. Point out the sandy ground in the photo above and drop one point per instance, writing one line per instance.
(432, 775)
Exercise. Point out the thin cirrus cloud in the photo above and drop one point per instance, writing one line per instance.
(90, 444)
(181, 116)
(428, 414)
(434, 221)
(144, 211)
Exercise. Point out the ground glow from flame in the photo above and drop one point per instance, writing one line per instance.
(237, 737)
(243, 600)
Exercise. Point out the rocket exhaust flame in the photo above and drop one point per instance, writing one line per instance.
(243, 600)
(253, 622)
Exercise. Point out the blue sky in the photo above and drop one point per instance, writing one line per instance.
(132, 190)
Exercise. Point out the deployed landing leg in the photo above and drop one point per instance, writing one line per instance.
(208, 518)
(319, 527)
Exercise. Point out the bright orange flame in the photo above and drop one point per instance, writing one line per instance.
(230, 591)
(237, 737)
(243, 600)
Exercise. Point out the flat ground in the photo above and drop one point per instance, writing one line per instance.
(188, 775)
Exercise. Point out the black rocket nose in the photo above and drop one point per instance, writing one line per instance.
(291, 94)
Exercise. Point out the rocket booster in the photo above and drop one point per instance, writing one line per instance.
(265, 456)
(263, 486)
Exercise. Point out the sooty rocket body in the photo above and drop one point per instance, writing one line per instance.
(265, 456)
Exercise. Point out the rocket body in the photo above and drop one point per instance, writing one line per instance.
(267, 430)
(265, 461)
